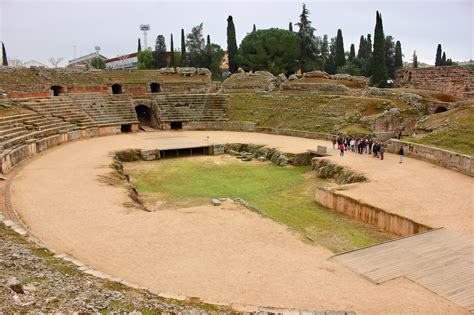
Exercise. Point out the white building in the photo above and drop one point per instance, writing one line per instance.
(33, 63)
(85, 60)
(129, 61)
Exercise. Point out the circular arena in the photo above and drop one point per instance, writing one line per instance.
(226, 254)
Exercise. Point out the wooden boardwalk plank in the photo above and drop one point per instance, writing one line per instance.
(440, 260)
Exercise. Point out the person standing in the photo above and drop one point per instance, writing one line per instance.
(382, 150)
(342, 148)
(334, 141)
(401, 153)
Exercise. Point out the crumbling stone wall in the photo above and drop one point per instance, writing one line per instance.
(453, 80)
(37, 82)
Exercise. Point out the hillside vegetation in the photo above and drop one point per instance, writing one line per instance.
(452, 130)
(309, 111)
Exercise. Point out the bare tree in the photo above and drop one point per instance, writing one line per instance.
(15, 62)
(55, 61)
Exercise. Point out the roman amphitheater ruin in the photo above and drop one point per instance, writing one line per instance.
(61, 130)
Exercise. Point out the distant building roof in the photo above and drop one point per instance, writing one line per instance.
(86, 58)
(128, 56)
(33, 63)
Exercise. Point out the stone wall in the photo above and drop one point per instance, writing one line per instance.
(386, 221)
(453, 80)
(10, 158)
(37, 82)
(452, 160)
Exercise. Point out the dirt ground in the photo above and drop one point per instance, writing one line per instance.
(227, 253)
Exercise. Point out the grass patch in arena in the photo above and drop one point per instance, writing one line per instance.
(284, 194)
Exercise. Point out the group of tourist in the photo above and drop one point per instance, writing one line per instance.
(362, 146)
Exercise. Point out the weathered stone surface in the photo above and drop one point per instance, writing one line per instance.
(453, 80)
(167, 70)
(316, 74)
(246, 82)
(292, 77)
(186, 71)
(15, 285)
(326, 169)
(216, 202)
(265, 73)
(282, 77)
(204, 71)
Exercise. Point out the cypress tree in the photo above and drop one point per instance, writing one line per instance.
(449, 62)
(172, 60)
(231, 44)
(368, 46)
(361, 51)
(352, 53)
(443, 59)
(208, 52)
(184, 59)
(139, 45)
(415, 60)
(4, 54)
(254, 28)
(340, 58)
(398, 55)
(379, 76)
(290, 27)
(439, 52)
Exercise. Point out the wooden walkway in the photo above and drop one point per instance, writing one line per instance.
(440, 260)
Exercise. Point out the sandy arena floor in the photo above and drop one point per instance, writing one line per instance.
(229, 254)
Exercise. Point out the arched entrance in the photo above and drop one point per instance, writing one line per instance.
(155, 87)
(116, 89)
(143, 114)
(57, 90)
(440, 109)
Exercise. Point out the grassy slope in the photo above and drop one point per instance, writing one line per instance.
(283, 194)
(304, 111)
(455, 130)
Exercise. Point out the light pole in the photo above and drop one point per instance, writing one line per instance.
(145, 28)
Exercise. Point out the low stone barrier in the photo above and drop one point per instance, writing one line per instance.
(452, 160)
(386, 221)
(245, 126)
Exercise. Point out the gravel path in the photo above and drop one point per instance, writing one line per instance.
(226, 254)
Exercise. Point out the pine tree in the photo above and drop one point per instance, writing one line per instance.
(290, 27)
(254, 28)
(159, 54)
(439, 52)
(184, 58)
(398, 55)
(4, 55)
(352, 53)
(139, 45)
(196, 47)
(340, 58)
(308, 47)
(231, 45)
(172, 58)
(443, 59)
(379, 76)
(415, 60)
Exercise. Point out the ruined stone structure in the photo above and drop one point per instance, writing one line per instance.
(453, 80)
(47, 107)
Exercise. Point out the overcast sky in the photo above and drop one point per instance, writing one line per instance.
(42, 29)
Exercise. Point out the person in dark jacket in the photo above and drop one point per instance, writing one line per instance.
(401, 153)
